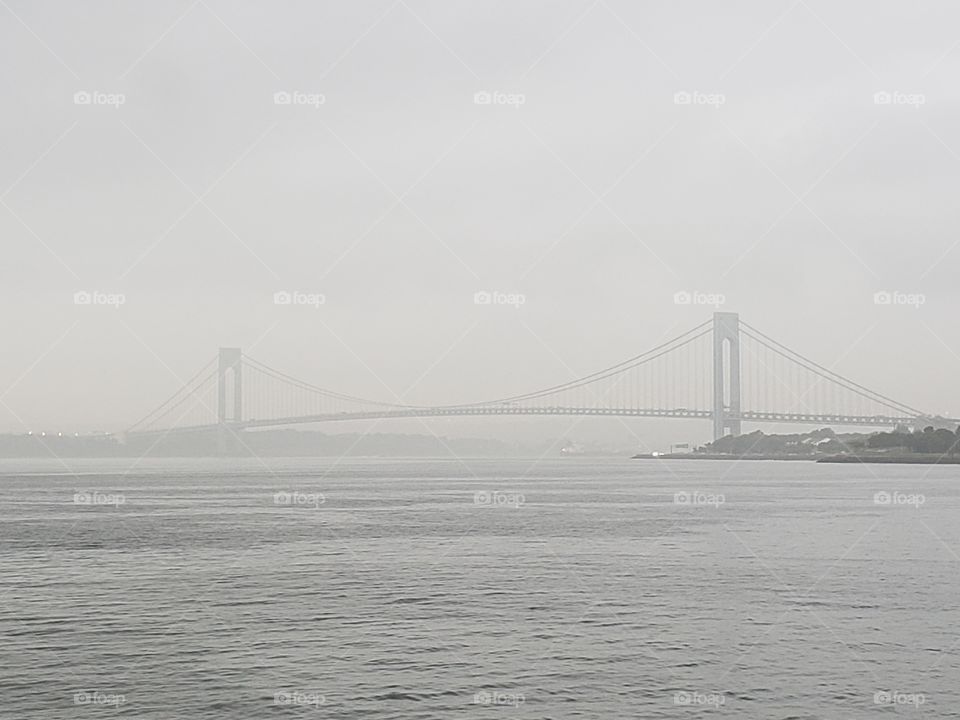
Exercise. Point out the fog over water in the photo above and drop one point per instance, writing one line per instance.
(628, 153)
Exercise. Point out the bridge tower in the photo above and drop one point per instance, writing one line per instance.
(726, 374)
(229, 397)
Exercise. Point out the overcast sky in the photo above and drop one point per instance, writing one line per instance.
(587, 184)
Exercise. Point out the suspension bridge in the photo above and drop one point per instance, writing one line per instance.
(723, 370)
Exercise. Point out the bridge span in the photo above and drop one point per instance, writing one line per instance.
(723, 371)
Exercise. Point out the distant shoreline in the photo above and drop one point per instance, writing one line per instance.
(717, 456)
(907, 459)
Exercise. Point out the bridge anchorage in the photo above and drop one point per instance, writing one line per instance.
(723, 370)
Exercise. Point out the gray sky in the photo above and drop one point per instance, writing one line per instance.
(784, 185)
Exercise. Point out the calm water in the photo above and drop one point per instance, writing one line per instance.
(439, 589)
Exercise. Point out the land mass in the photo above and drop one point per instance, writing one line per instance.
(928, 446)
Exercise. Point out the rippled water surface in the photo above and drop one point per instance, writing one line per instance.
(439, 589)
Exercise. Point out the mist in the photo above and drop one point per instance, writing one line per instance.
(595, 158)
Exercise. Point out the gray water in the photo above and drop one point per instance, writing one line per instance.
(439, 589)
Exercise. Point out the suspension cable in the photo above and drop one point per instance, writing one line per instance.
(828, 374)
(173, 397)
(278, 375)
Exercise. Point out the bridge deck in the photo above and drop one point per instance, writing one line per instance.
(480, 410)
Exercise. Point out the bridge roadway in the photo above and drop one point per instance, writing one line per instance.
(475, 410)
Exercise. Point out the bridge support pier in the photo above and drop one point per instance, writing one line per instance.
(229, 399)
(726, 374)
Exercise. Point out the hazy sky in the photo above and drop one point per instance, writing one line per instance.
(587, 185)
